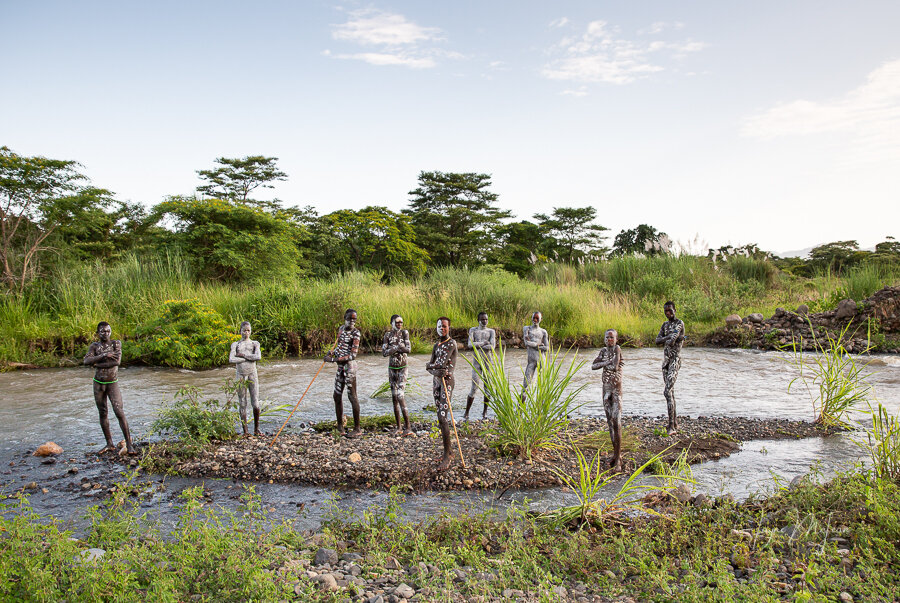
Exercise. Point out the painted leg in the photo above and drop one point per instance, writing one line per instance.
(448, 444)
(253, 389)
(469, 401)
(339, 411)
(354, 404)
(100, 401)
(242, 403)
(115, 399)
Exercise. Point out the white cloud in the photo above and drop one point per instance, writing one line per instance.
(659, 27)
(559, 22)
(371, 27)
(601, 55)
(398, 41)
(869, 113)
(582, 91)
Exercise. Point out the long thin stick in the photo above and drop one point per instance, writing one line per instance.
(297, 405)
(453, 422)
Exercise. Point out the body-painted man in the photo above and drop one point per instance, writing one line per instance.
(244, 354)
(105, 355)
(396, 346)
(671, 336)
(441, 365)
(610, 360)
(537, 342)
(344, 354)
(482, 341)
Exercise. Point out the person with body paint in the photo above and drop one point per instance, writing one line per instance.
(537, 342)
(441, 366)
(105, 356)
(671, 336)
(395, 346)
(344, 354)
(482, 341)
(610, 360)
(244, 355)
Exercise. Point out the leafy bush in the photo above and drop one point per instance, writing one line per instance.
(529, 424)
(186, 334)
(194, 421)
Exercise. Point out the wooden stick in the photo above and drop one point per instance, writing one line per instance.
(453, 422)
(297, 405)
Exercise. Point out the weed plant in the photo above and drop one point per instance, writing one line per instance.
(531, 421)
(195, 422)
(882, 443)
(834, 379)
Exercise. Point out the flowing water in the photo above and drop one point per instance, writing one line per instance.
(57, 404)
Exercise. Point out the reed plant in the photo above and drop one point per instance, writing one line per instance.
(835, 380)
(530, 421)
(882, 443)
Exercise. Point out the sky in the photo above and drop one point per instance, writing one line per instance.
(771, 122)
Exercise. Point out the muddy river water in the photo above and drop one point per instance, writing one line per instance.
(57, 404)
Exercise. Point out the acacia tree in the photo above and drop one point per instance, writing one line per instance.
(30, 188)
(570, 234)
(641, 239)
(455, 216)
(235, 179)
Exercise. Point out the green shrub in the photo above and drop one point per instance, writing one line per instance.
(194, 421)
(187, 334)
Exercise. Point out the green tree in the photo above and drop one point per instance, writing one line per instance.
(371, 238)
(228, 240)
(30, 189)
(519, 250)
(570, 235)
(455, 217)
(836, 256)
(643, 239)
(235, 179)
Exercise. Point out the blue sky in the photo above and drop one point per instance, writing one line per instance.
(769, 122)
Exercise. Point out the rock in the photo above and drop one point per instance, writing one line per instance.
(610, 574)
(779, 312)
(846, 597)
(355, 457)
(351, 557)
(560, 591)
(797, 481)
(326, 582)
(732, 320)
(513, 593)
(846, 308)
(802, 310)
(682, 493)
(324, 556)
(92, 554)
(30, 486)
(756, 318)
(48, 449)
(404, 591)
(700, 500)
(392, 564)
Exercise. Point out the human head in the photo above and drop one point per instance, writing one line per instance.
(104, 330)
(246, 329)
(350, 317)
(611, 337)
(396, 322)
(483, 318)
(537, 317)
(669, 309)
(443, 326)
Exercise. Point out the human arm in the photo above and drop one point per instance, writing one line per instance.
(354, 348)
(491, 343)
(600, 361)
(107, 359)
(525, 339)
(386, 349)
(544, 346)
(405, 346)
(255, 353)
(233, 356)
(662, 337)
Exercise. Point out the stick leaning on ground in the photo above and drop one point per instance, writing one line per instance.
(453, 422)
(297, 405)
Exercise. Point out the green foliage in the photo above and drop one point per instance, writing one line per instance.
(748, 269)
(530, 423)
(187, 334)
(642, 239)
(235, 179)
(195, 422)
(836, 256)
(835, 381)
(882, 443)
(569, 235)
(231, 241)
(455, 217)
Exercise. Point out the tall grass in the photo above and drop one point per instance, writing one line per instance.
(530, 422)
(882, 443)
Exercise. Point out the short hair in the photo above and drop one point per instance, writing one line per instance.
(394, 317)
(537, 312)
(613, 331)
(482, 313)
(349, 312)
(443, 318)
(669, 303)
(102, 324)
(246, 322)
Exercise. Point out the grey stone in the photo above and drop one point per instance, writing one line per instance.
(326, 582)
(326, 556)
(802, 309)
(846, 308)
(354, 570)
(376, 599)
(560, 591)
(732, 320)
(610, 574)
(682, 493)
(797, 481)
(404, 591)
(351, 557)
(392, 564)
(512, 593)
(846, 597)
(755, 318)
(92, 555)
(700, 500)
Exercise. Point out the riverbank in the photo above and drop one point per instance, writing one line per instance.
(385, 460)
(832, 541)
(52, 323)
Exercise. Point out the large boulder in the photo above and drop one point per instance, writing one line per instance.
(846, 308)
(802, 310)
(732, 320)
(756, 318)
(48, 449)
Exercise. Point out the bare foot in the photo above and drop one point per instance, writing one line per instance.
(245, 435)
(465, 418)
(407, 432)
(484, 417)
(445, 463)
(617, 468)
(107, 448)
(355, 433)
